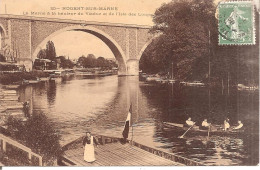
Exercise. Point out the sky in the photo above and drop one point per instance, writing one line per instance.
(20, 7)
(67, 43)
(79, 44)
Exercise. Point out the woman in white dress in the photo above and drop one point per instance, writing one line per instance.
(88, 143)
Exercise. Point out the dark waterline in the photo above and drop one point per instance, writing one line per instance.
(100, 104)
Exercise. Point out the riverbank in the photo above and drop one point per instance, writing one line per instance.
(164, 79)
(155, 78)
(20, 77)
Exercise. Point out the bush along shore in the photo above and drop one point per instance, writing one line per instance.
(19, 77)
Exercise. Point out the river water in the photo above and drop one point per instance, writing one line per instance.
(77, 104)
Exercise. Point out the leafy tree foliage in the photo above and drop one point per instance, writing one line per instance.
(50, 51)
(183, 30)
(42, 54)
(65, 63)
(91, 61)
(37, 133)
(187, 44)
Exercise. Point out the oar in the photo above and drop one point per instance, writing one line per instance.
(186, 131)
(208, 131)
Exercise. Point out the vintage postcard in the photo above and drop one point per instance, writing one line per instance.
(129, 83)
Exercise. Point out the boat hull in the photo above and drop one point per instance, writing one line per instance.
(215, 130)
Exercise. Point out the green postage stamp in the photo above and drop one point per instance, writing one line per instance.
(236, 23)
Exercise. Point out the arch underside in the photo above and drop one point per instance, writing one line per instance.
(109, 41)
(112, 46)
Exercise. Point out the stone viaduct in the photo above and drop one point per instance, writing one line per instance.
(22, 37)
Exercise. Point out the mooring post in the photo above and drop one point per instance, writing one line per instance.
(4, 145)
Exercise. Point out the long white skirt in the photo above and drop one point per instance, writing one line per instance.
(89, 153)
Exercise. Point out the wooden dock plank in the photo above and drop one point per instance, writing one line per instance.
(132, 157)
(144, 154)
(115, 159)
(76, 155)
(102, 156)
(117, 154)
(129, 159)
(145, 158)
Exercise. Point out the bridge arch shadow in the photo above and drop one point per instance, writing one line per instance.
(145, 46)
(2, 36)
(107, 39)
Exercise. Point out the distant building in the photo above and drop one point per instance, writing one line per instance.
(43, 64)
(5, 66)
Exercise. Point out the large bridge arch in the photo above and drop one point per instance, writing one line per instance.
(107, 39)
(28, 34)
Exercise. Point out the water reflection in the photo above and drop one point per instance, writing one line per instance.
(100, 104)
(51, 92)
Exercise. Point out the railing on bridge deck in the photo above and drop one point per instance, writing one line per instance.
(8, 144)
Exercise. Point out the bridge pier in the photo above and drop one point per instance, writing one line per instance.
(132, 67)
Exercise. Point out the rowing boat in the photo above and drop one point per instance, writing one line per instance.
(214, 129)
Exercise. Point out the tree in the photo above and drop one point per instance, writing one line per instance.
(183, 35)
(65, 63)
(50, 51)
(81, 61)
(101, 62)
(42, 54)
(183, 45)
(38, 133)
(90, 61)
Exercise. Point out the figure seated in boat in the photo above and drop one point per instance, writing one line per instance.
(226, 124)
(205, 125)
(239, 126)
(189, 122)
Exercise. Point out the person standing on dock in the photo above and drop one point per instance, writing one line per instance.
(88, 143)
(26, 107)
(127, 125)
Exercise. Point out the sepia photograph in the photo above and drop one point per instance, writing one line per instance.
(97, 83)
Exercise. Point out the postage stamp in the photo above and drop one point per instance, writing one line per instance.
(236, 23)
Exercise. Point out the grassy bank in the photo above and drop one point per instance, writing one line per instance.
(9, 78)
(37, 133)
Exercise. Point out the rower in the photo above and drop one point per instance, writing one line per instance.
(226, 124)
(205, 125)
(240, 125)
(189, 122)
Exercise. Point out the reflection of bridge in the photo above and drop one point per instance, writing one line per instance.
(27, 35)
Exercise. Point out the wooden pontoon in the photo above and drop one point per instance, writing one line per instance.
(112, 152)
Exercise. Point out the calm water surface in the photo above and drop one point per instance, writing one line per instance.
(100, 104)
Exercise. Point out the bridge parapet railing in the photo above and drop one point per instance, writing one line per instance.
(167, 155)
